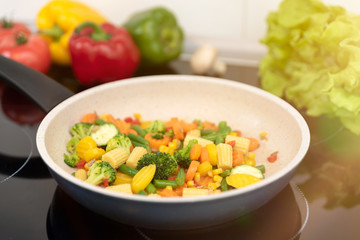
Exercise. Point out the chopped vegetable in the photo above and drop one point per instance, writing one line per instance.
(197, 167)
(247, 169)
(119, 140)
(165, 164)
(103, 132)
(100, 171)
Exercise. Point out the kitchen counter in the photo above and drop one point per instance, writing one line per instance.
(320, 202)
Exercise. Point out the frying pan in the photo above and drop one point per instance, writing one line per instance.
(244, 107)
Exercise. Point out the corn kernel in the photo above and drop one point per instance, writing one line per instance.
(263, 135)
(233, 134)
(210, 174)
(169, 188)
(250, 155)
(217, 171)
(190, 183)
(86, 166)
(217, 178)
(204, 168)
(137, 116)
(173, 144)
(250, 162)
(197, 177)
(212, 186)
(81, 174)
(163, 148)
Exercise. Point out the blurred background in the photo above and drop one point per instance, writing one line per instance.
(233, 26)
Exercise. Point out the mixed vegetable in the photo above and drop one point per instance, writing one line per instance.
(162, 158)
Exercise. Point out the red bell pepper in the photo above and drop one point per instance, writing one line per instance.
(31, 50)
(10, 29)
(102, 53)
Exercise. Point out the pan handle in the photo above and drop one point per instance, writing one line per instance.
(44, 91)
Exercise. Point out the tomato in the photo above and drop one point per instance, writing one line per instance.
(33, 51)
(7, 32)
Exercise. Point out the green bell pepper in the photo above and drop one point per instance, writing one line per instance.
(157, 35)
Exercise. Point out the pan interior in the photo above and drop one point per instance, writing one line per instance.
(243, 108)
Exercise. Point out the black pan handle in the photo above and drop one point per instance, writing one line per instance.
(44, 91)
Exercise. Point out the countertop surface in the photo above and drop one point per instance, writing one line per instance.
(321, 201)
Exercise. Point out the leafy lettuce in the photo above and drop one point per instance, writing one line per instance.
(313, 59)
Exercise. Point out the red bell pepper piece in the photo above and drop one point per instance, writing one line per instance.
(102, 53)
(31, 50)
(273, 157)
(10, 29)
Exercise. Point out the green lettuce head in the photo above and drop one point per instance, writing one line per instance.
(313, 59)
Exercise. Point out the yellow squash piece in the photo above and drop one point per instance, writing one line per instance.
(241, 180)
(87, 150)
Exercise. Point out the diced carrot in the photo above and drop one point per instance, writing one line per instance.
(89, 118)
(123, 126)
(238, 133)
(195, 152)
(204, 155)
(179, 190)
(172, 177)
(178, 131)
(190, 174)
(156, 143)
(168, 193)
(187, 127)
(238, 157)
(204, 181)
(108, 118)
(254, 143)
(209, 125)
(133, 131)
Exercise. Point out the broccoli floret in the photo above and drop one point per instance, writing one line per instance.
(165, 164)
(182, 156)
(71, 145)
(119, 140)
(71, 159)
(81, 130)
(103, 133)
(100, 171)
(156, 126)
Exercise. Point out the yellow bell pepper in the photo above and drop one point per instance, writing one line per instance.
(57, 20)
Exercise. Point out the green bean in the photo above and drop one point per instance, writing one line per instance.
(142, 192)
(138, 141)
(139, 130)
(180, 177)
(223, 185)
(127, 170)
(225, 173)
(261, 168)
(164, 183)
(150, 188)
